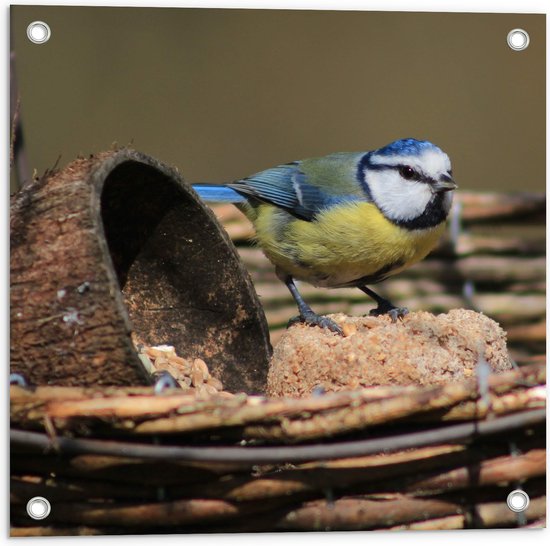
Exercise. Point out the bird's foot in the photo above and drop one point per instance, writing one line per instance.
(313, 319)
(388, 309)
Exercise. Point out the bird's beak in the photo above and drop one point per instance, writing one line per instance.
(446, 183)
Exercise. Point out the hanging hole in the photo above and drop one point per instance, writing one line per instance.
(38, 508)
(38, 32)
(518, 39)
(518, 500)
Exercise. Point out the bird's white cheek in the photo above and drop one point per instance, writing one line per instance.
(398, 199)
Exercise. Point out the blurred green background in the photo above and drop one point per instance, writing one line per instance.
(224, 93)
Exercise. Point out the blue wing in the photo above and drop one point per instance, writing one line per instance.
(290, 188)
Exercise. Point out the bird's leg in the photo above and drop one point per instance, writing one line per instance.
(385, 307)
(307, 315)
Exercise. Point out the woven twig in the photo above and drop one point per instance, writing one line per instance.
(389, 481)
(297, 481)
(463, 432)
(356, 514)
(128, 412)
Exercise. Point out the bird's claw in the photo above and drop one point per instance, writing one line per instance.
(313, 319)
(394, 312)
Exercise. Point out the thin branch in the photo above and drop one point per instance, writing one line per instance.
(349, 514)
(130, 412)
(285, 454)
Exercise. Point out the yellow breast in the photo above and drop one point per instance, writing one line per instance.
(342, 244)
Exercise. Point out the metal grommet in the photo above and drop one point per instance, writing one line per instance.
(518, 500)
(38, 32)
(518, 39)
(39, 508)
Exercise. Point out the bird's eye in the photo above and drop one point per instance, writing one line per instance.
(408, 173)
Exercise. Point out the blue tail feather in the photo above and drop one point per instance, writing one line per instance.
(218, 194)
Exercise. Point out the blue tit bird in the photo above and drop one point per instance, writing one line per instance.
(346, 219)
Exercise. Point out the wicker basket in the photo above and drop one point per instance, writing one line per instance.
(127, 460)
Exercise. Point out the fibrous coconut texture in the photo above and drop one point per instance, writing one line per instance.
(420, 349)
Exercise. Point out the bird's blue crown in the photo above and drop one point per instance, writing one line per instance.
(406, 146)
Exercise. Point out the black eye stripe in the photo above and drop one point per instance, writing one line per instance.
(418, 177)
(409, 173)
